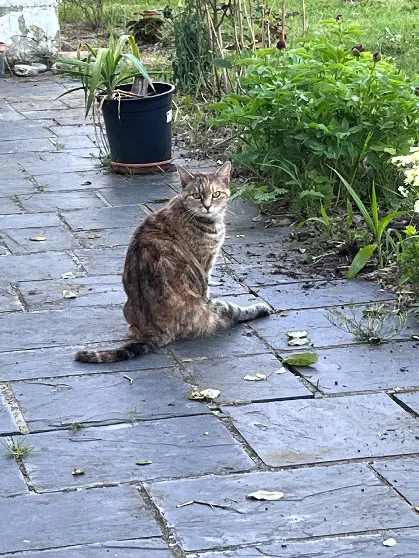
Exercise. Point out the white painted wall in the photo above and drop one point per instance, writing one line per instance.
(30, 29)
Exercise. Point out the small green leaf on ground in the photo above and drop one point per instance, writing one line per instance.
(38, 238)
(301, 359)
(265, 495)
(145, 462)
(257, 378)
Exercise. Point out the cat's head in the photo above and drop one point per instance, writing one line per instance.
(206, 194)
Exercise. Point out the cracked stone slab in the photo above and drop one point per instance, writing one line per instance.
(133, 195)
(223, 284)
(323, 430)
(319, 501)
(317, 294)
(177, 447)
(137, 548)
(68, 181)
(59, 362)
(271, 250)
(52, 113)
(58, 162)
(36, 267)
(265, 275)
(227, 375)
(106, 398)
(60, 327)
(9, 302)
(36, 90)
(24, 146)
(87, 291)
(56, 239)
(15, 186)
(78, 517)
(28, 220)
(370, 546)
(321, 333)
(235, 342)
(7, 422)
(105, 218)
(9, 206)
(257, 235)
(39, 105)
(102, 261)
(68, 143)
(63, 201)
(106, 238)
(25, 129)
(411, 400)
(240, 214)
(66, 131)
(11, 479)
(365, 368)
(403, 474)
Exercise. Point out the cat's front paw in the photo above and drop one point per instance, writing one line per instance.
(263, 310)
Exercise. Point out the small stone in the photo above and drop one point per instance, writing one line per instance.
(40, 67)
(25, 70)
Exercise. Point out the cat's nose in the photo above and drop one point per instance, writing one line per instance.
(207, 206)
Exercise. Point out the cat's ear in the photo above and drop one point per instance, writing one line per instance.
(224, 172)
(185, 176)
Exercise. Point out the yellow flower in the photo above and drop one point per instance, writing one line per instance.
(410, 230)
(416, 206)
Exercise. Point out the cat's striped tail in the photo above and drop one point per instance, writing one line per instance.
(126, 352)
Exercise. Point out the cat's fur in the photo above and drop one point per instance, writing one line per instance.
(168, 267)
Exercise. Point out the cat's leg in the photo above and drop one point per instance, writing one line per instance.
(234, 314)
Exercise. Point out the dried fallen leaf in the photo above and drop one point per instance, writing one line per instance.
(38, 238)
(69, 294)
(283, 313)
(257, 378)
(281, 370)
(77, 472)
(416, 508)
(204, 394)
(389, 542)
(298, 341)
(265, 495)
(297, 334)
(68, 275)
(415, 337)
(145, 462)
(301, 359)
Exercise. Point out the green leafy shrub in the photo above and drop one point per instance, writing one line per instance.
(326, 104)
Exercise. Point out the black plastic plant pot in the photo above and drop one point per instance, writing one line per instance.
(139, 130)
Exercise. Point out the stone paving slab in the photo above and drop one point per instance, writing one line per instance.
(68, 143)
(411, 400)
(51, 112)
(403, 474)
(62, 201)
(104, 261)
(223, 284)
(12, 482)
(317, 502)
(23, 146)
(105, 399)
(7, 422)
(66, 131)
(36, 267)
(323, 430)
(227, 375)
(365, 368)
(104, 218)
(267, 274)
(34, 90)
(133, 195)
(40, 105)
(58, 162)
(369, 546)
(317, 294)
(235, 342)
(56, 239)
(9, 206)
(271, 250)
(80, 180)
(321, 333)
(106, 238)
(15, 186)
(29, 220)
(61, 327)
(59, 362)
(9, 302)
(177, 447)
(24, 129)
(78, 517)
(140, 548)
(88, 291)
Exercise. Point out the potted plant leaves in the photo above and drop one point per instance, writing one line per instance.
(137, 112)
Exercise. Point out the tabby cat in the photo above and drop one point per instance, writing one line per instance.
(168, 267)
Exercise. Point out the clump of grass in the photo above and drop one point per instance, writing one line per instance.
(76, 426)
(17, 449)
(133, 415)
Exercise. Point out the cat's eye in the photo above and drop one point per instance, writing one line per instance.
(196, 196)
(216, 194)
